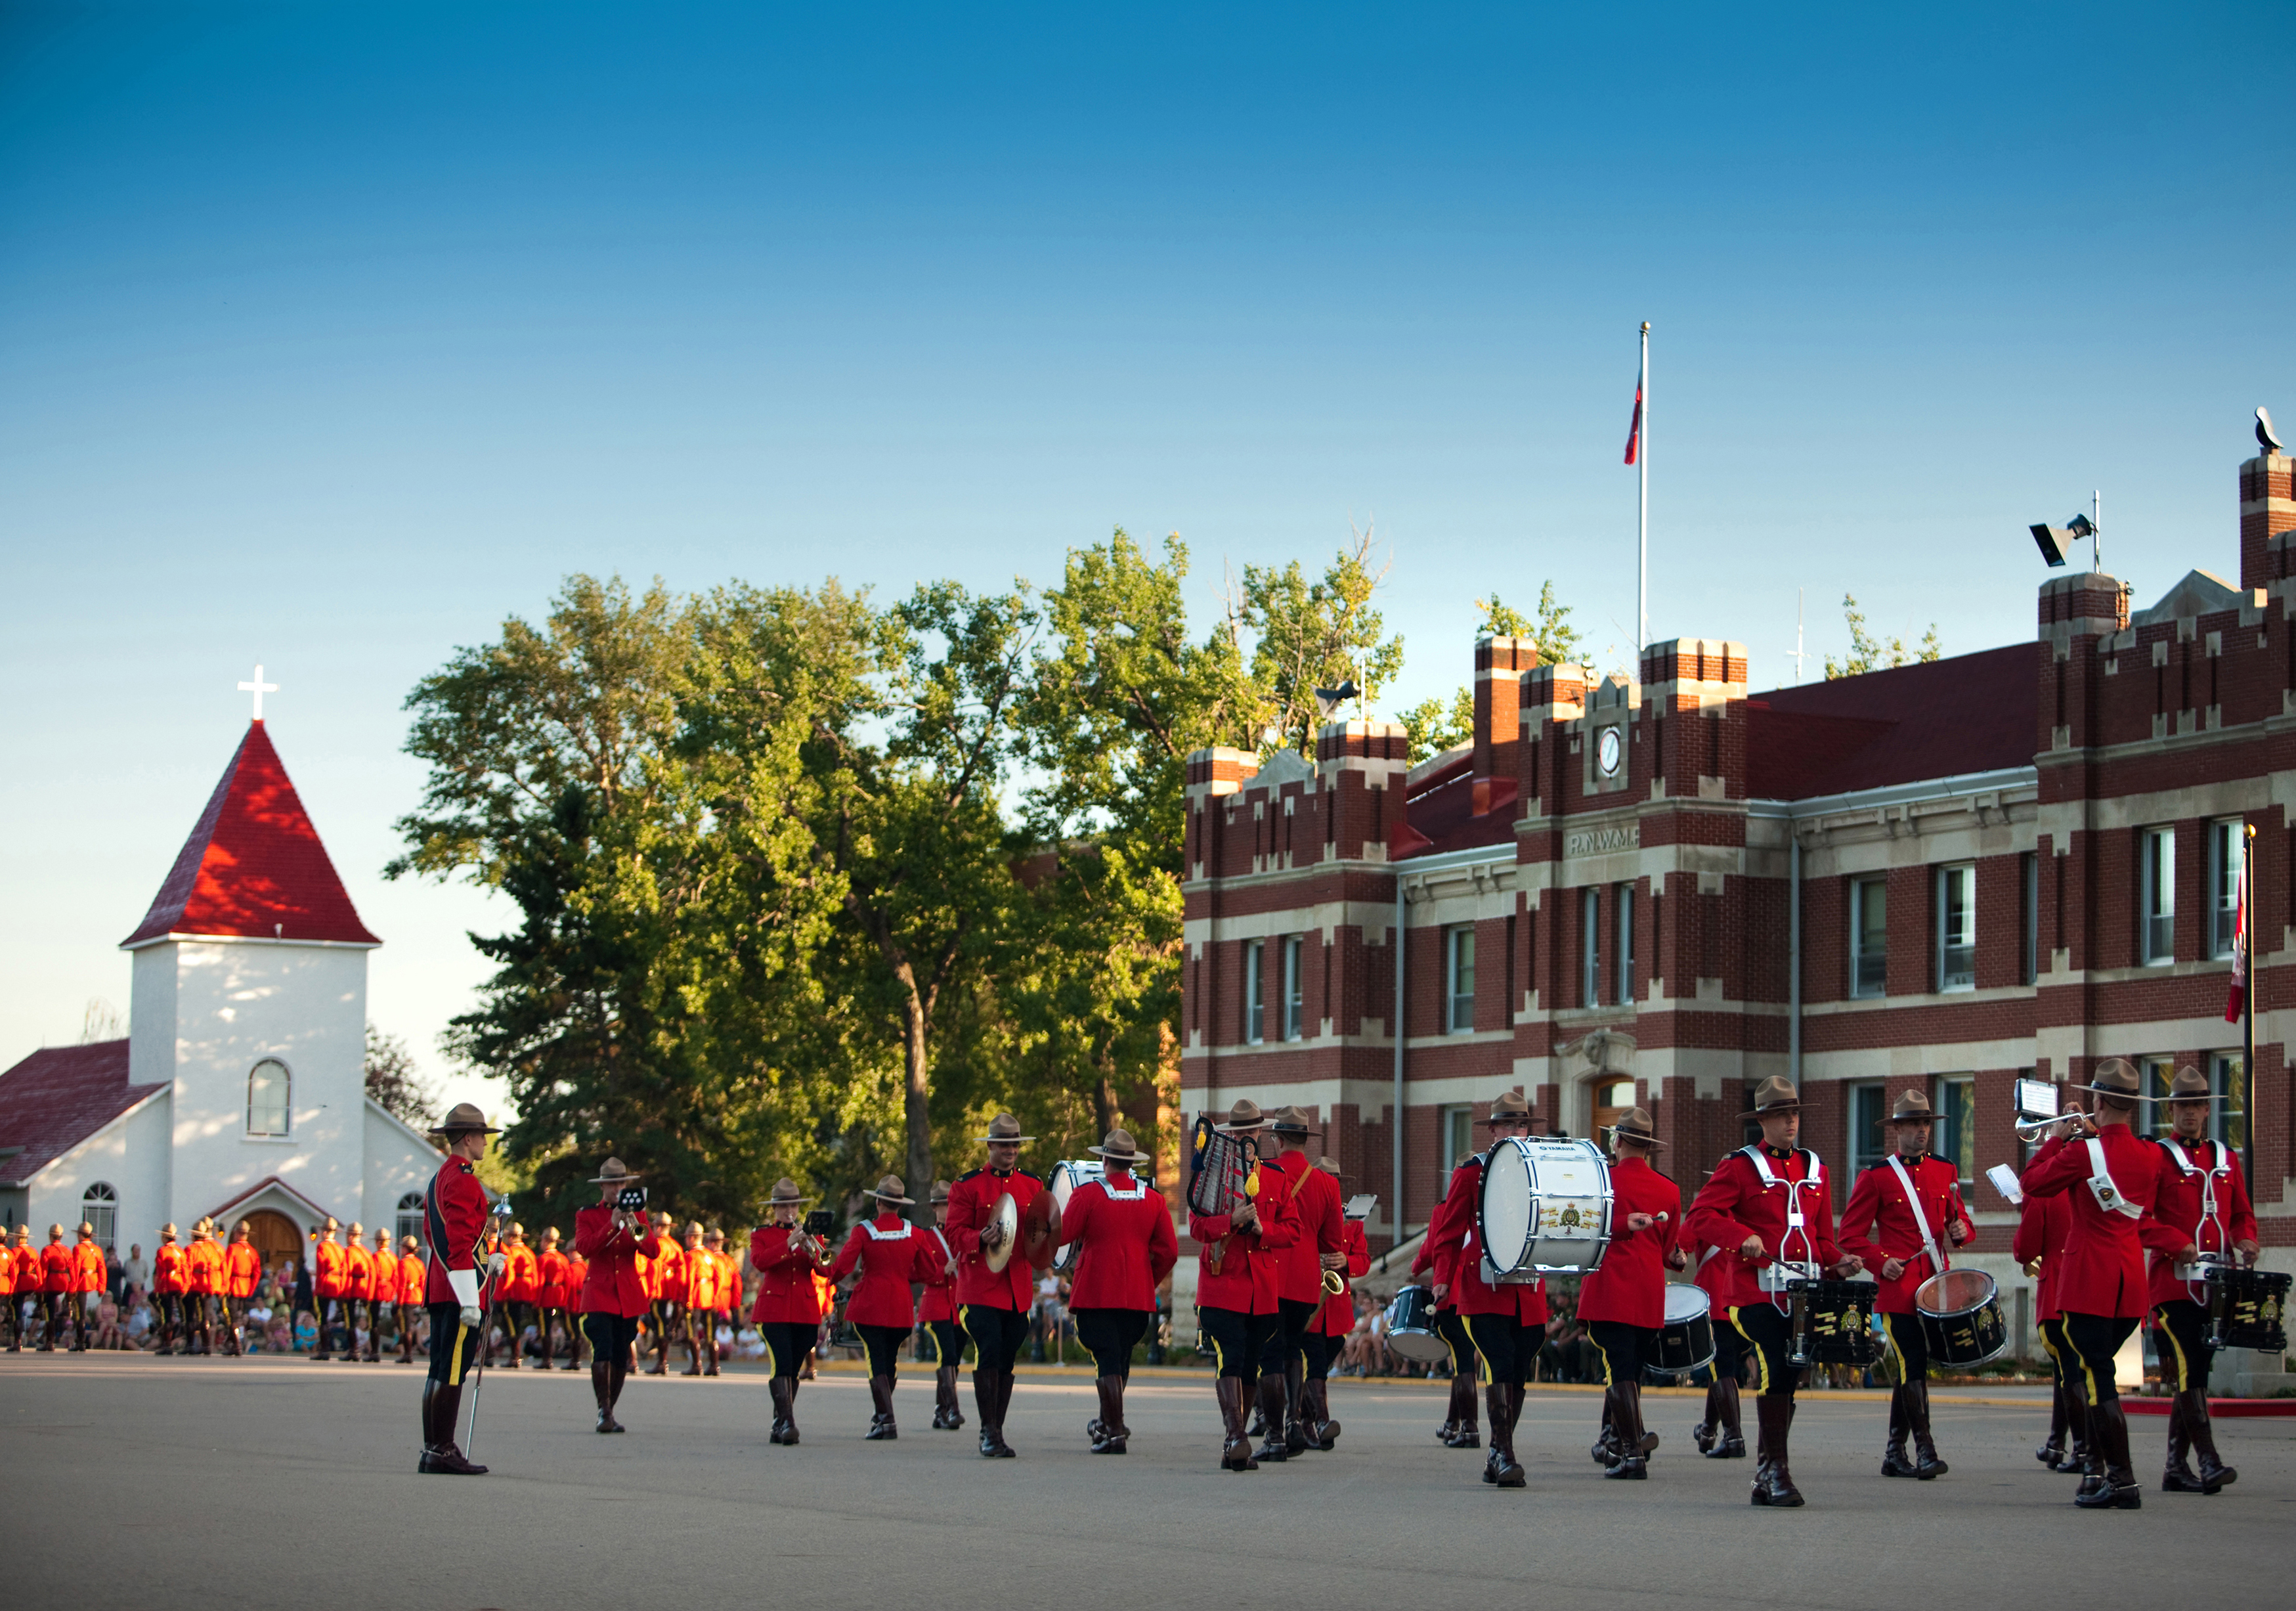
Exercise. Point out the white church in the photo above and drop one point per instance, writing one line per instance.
(240, 1091)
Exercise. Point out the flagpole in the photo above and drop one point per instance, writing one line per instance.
(1642, 516)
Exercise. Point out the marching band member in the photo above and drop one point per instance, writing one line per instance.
(1506, 1320)
(2043, 1226)
(1622, 1304)
(725, 1292)
(1462, 1420)
(613, 1239)
(550, 1287)
(1720, 1436)
(12, 1303)
(1300, 1285)
(577, 1280)
(27, 1283)
(414, 1283)
(385, 1294)
(2111, 1178)
(2204, 1199)
(203, 1281)
(1334, 1320)
(89, 1281)
(327, 1286)
(671, 1321)
(521, 1290)
(1125, 1248)
(787, 1312)
(454, 1220)
(1897, 1211)
(993, 1303)
(358, 1292)
(168, 1290)
(700, 1297)
(1766, 1207)
(1237, 1280)
(936, 1318)
(890, 1254)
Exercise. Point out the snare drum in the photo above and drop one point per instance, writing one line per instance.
(1960, 1314)
(1687, 1341)
(1068, 1175)
(1546, 1207)
(1832, 1321)
(2248, 1308)
(1411, 1327)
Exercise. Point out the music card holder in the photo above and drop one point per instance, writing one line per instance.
(1359, 1206)
(2004, 1181)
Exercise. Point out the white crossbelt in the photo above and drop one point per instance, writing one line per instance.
(901, 1235)
(1920, 1219)
(1784, 1269)
(2101, 1184)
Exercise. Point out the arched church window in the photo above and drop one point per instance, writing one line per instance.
(268, 1086)
(99, 1208)
(410, 1220)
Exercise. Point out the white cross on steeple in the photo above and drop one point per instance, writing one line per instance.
(259, 687)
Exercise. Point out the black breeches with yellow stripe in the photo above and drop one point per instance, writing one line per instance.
(2180, 1335)
(453, 1344)
(2095, 1339)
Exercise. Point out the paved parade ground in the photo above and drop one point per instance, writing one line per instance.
(231, 1482)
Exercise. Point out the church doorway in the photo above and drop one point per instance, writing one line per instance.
(275, 1235)
(1613, 1098)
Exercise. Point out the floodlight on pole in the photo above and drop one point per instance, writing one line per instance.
(2055, 542)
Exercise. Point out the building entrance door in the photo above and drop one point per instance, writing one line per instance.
(1613, 1097)
(274, 1236)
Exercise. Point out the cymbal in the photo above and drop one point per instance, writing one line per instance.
(1006, 1217)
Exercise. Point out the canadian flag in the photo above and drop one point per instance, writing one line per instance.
(2238, 998)
(1635, 431)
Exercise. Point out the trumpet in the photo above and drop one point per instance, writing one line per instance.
(2071, 1124)
(1335, 1283)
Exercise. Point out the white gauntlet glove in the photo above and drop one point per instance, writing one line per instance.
(465, 1283)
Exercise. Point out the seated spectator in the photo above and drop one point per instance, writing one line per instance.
(307, 1331)
(109, 1332)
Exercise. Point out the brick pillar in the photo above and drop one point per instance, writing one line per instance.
(1499, 665)
(2267, 507)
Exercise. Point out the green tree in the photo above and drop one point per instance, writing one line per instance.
(1435, 725)
(393, 1080)
(1311, 634)
(1870, 653)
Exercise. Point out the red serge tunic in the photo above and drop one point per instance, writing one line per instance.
(88, 1274)
(1247, 1278)
(1736, 1203)
(327, 1262)
(2194, 1174)
(2103, 1272)
(168, 1278)
(1125, 1241)
(454, 1219)
(55, 1267)
(382, 1281)
(1337, 1317)
(786, 1294)
(1316, 1203)
(242, 1269)
(611, 1287)
(413, 1279)
(521, 1275)
(358, 1272)
(890, 1253)
(2043, 1224)
(937, 1301)
(1459, 1256)
(970, 1201)
(552, 1267)
(1878, 1225)
(1630, 1287)
(203, 1268)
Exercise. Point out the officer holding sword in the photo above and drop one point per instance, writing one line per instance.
(455, 1217)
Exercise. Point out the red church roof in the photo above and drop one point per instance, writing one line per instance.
(253, 867)
(57, 1098)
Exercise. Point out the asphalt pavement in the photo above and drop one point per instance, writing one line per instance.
(252, 1483)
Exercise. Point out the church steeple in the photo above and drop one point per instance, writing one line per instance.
(253, 867)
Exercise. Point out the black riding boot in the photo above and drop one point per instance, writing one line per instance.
(2108, 1432)
(1927, 1466)
(1634, 1456)
(1235, 1447)
(1502, 1470)
(602, 1384)
(2214, 1473)
(1296, 1439)
(881, 1428)
(1113, 1432)
(2053, 1451)
(1464, 1429)
(1732, 1444)
(1273, 1445)
(1774, 1484)
(1894, 1462)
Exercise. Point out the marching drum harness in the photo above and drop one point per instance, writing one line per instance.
(1774, 1278)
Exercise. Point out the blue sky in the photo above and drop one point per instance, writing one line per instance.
(330, 336)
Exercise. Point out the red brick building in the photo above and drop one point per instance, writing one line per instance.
(1947, 876)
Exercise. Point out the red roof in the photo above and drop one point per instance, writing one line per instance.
(254, 866)
(1440, 814)
(1936, 718)
(57, 1098)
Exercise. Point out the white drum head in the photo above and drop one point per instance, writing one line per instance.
(1955, 1292)
(1685, 1302)
(1068, 1175)
(1510, 1204)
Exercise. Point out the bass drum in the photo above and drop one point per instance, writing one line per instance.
(1546, 1207)
(1068, 1175)
(1960, 1314)
(1687, 1341)
(1411, 1327)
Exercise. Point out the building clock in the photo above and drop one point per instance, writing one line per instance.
(1606, 752)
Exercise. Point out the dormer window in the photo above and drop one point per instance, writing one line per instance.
(269, 1087)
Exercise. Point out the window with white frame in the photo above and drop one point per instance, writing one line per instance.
(1458, 1132)
(1459, 978)
(269, 1087)
(99, 1210)
(1294, 990)
(1869, 937)
(2229, 1119)
(2156, 895)
(2224, 885)
(1622, 927)
(1255, 1004)
(1590, 947)
(1957, 926)
(408, 1221)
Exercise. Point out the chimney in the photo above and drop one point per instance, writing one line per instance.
(1499, 665)
(2267, 509)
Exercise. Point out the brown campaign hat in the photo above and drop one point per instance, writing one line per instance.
(168, 1229)
(716, 1233)
(2115, 1077)
(1774, 1095)
(1635, 1125)
(1117, 1148)
(1509, 1108)
(786, 1195)
(550, 1233)
(1243, 1115)
(940, 1191)
(410, 1244)
(1003, 1127)
(614, 1172)
(889, 1190)
(1331, 1166)
(464, 1116)
(1289, 1121)
(2190, 1085)
(1911, 1109)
